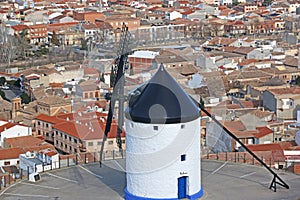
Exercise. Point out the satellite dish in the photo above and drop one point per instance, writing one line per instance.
(28, 154)
(297, 138)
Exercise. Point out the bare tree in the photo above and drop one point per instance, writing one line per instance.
(23, 44)
(8, 50)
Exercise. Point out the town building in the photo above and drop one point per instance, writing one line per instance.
(10, 130)
(284, 102)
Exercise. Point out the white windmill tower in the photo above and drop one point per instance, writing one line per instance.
(162, 142)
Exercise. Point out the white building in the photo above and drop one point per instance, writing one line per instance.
(162, 142)
(44, 160)
(10, 130)
(173, 15)
(226, 2)
(28, 161)
(10, 156)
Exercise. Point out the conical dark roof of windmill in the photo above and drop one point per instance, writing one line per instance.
(161, 101)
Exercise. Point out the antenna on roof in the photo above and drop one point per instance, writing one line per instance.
(100, 5)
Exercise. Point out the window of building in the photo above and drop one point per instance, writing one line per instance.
(7, 163)
(123, 141)
(99, 143)
(66, 136)
(183, 157)
(155, 128)
(75, 150)
(70, 138)
(47, 134)
(61, 144)
(110, 142)
(56, 141)
(90, 144)
(70, 148)
(66, 146)
(39, 132)
(61, 134)
(291, 103)
(47, 125)
(75, 140)
(39, 123)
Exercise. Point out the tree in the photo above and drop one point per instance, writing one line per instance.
(102, 78)
(23, 43)
(131, 71)
(112, 76)
(2, 80)
(54, 39)
(25, 98)
(17, 83)
(84, 45)
(267, 2)
(8, 43)
(297, 80)
(201, 103)
(2, 94)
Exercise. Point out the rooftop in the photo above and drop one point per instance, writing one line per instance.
(52, 100)
(168, 103)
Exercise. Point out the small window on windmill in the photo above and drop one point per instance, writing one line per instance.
(182, 126)
(155, 128)
(131, 125)
(183, 157)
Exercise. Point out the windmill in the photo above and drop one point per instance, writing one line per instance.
(118, 95)
(118, 89)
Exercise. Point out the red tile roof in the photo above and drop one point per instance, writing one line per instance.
(279, 91)
(87, 130)
(89, 70)
(26, 142)
(50, 119)
(56, 85)
(263, 131)
(20, 27)
(11, 153)
(234, 125)
(9, 125)
(270, 147)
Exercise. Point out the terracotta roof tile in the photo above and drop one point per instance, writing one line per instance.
(234, 125)
(281, 91)
(262, 131)
(6, 126)
(87, 130)
(89, 70)
(261, 114)
(25, 142)
(50, 119)
(10, 153)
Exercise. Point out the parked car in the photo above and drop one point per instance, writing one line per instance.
(5, 87)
